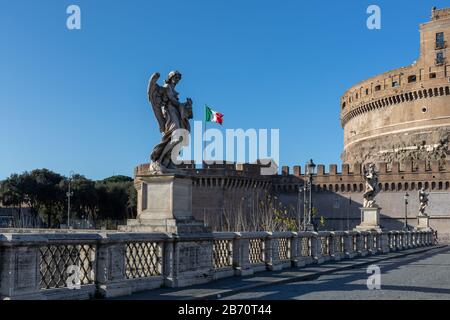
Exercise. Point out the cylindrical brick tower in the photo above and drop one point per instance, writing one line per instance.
(403, 114)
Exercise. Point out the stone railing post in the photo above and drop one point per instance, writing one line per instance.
(392, 241)
(400, 240)
(241, 250)
(363, 243)
(316, 248)
(295, 250)
(409, 237)
(19, 269)
(111, 268)
(348, 245)
(169, 262)
(398, 243)
(421, 242)
(370, 243)
(331, 246)
(193, 259)
(384, 242)
(377, 242)
(430, 238)
(271, 253)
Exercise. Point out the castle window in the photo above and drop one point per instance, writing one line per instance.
(412, 78)
(440, 43)
(343, 105)
(395, 84)
(424, 110)
(433, 75)
(440, 58)
(367, 91)
(377, 87)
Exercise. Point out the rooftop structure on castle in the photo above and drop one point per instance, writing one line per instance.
(404, 114)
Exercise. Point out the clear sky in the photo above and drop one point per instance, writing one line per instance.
(76, 100)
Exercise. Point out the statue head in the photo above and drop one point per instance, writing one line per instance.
(173, 77)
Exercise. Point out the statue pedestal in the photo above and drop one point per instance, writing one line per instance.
(164, 205)
(370, 219)
(423, 223)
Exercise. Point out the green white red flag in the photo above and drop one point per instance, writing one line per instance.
(213, 116)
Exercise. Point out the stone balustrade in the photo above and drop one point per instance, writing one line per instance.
(87, 265)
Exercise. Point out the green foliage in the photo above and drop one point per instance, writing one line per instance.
(45, 193)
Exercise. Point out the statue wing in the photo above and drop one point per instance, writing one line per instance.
(155, 97)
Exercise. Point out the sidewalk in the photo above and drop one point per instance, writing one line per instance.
(230, 286)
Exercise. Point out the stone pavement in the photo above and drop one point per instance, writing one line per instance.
(423, 276)
(255, 286)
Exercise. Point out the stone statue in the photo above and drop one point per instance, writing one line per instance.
(371, 188)
(171, 115)
(423, 198)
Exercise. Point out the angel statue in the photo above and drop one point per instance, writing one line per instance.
(172, 115)
(371, 188)
(423, 198)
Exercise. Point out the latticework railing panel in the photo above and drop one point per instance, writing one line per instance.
(374, 242)
(284, 248)
(143, 259)
(222, 253)
(339, 244)
(305, 247)
(66, 264)
(324, 246)
(256, 251)
(366, 242)
(355, 243)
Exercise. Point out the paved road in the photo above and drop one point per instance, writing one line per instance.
(419, 276)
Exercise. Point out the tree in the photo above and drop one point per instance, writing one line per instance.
(84, 197)
(116, 198)
(46, 191)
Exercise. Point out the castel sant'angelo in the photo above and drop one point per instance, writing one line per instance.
(404, 114)
(399, 120)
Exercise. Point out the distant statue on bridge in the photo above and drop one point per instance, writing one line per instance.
(423, 198)
(171, 115)
(371, 187)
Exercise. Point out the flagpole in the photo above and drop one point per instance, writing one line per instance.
(203, 136)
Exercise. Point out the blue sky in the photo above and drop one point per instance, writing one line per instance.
(76, 100)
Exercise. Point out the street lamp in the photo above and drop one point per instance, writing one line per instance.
(406, 227)
(298, 206)
(69, 194)
(310, 167)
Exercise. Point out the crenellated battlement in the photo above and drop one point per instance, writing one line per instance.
(349, 178)
(437, 14)
(384, 168)
(345, 178)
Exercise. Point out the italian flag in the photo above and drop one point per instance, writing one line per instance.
(213, 116)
